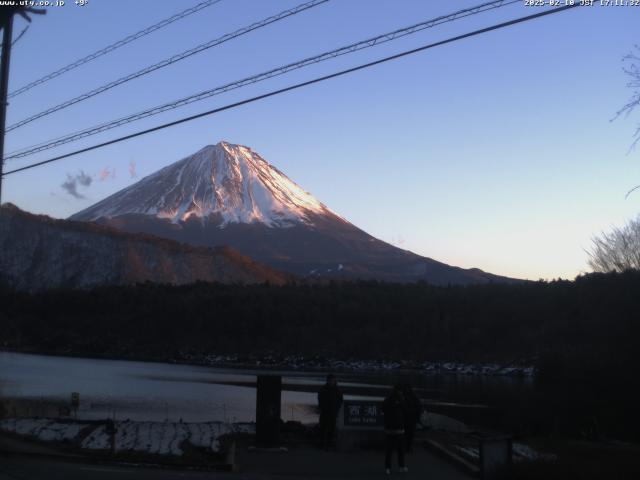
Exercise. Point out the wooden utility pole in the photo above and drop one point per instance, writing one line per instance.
(7, 31)
(6, 23)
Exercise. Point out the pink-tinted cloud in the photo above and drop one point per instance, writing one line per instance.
(107, 173)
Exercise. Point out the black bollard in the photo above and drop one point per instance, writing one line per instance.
(268, 410)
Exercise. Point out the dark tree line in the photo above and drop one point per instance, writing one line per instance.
(493, 322)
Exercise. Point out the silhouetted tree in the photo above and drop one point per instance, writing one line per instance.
(618, 250)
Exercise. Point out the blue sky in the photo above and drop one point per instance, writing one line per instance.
(494, 152)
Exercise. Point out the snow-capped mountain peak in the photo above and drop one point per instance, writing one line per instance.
(226, 180)
(227, 194)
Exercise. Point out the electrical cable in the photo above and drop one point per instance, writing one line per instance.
(387, 37)
(299, 85)
(110, 48)
(169, 61)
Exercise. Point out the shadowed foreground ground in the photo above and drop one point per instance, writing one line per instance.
(309, 462)
(299, 463)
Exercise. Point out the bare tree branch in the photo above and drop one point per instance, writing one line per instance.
(631, 68)
(631, 191)
(618, 250)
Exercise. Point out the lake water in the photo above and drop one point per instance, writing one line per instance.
(159, 391)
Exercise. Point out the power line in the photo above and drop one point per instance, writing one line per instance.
(260, 77)
(169, 61)
(20, 35)
(116, 45)
(298, 85)
(387, 37)
(24, 30)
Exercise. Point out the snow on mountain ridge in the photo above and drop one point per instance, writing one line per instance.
(232, 196)
(226, 179)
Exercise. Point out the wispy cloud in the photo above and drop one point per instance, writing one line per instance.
(73, 182)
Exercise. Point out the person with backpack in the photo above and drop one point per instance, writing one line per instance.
(414, 410)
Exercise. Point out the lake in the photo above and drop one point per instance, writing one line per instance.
(159, 391)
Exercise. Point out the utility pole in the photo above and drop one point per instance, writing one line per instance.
(7, 31)
(6, 23)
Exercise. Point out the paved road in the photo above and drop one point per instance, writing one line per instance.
(312, 463)
(297, 464)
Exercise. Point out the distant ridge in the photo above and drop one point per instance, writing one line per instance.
(39, 252)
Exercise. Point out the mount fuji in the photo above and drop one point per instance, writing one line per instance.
(227, 194)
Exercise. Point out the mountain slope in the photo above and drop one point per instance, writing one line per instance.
(227, 194)
(39, 252)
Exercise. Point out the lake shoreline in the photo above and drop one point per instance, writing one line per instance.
(268, 363)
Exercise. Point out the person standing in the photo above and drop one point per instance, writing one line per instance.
(414, 410)
(395, 414)
(329, 401)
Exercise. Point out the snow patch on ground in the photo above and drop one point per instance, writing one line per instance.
(97, 440)
(471, 452)
(43, 429)
(443, 422)
(162, 438)
(521, 453)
